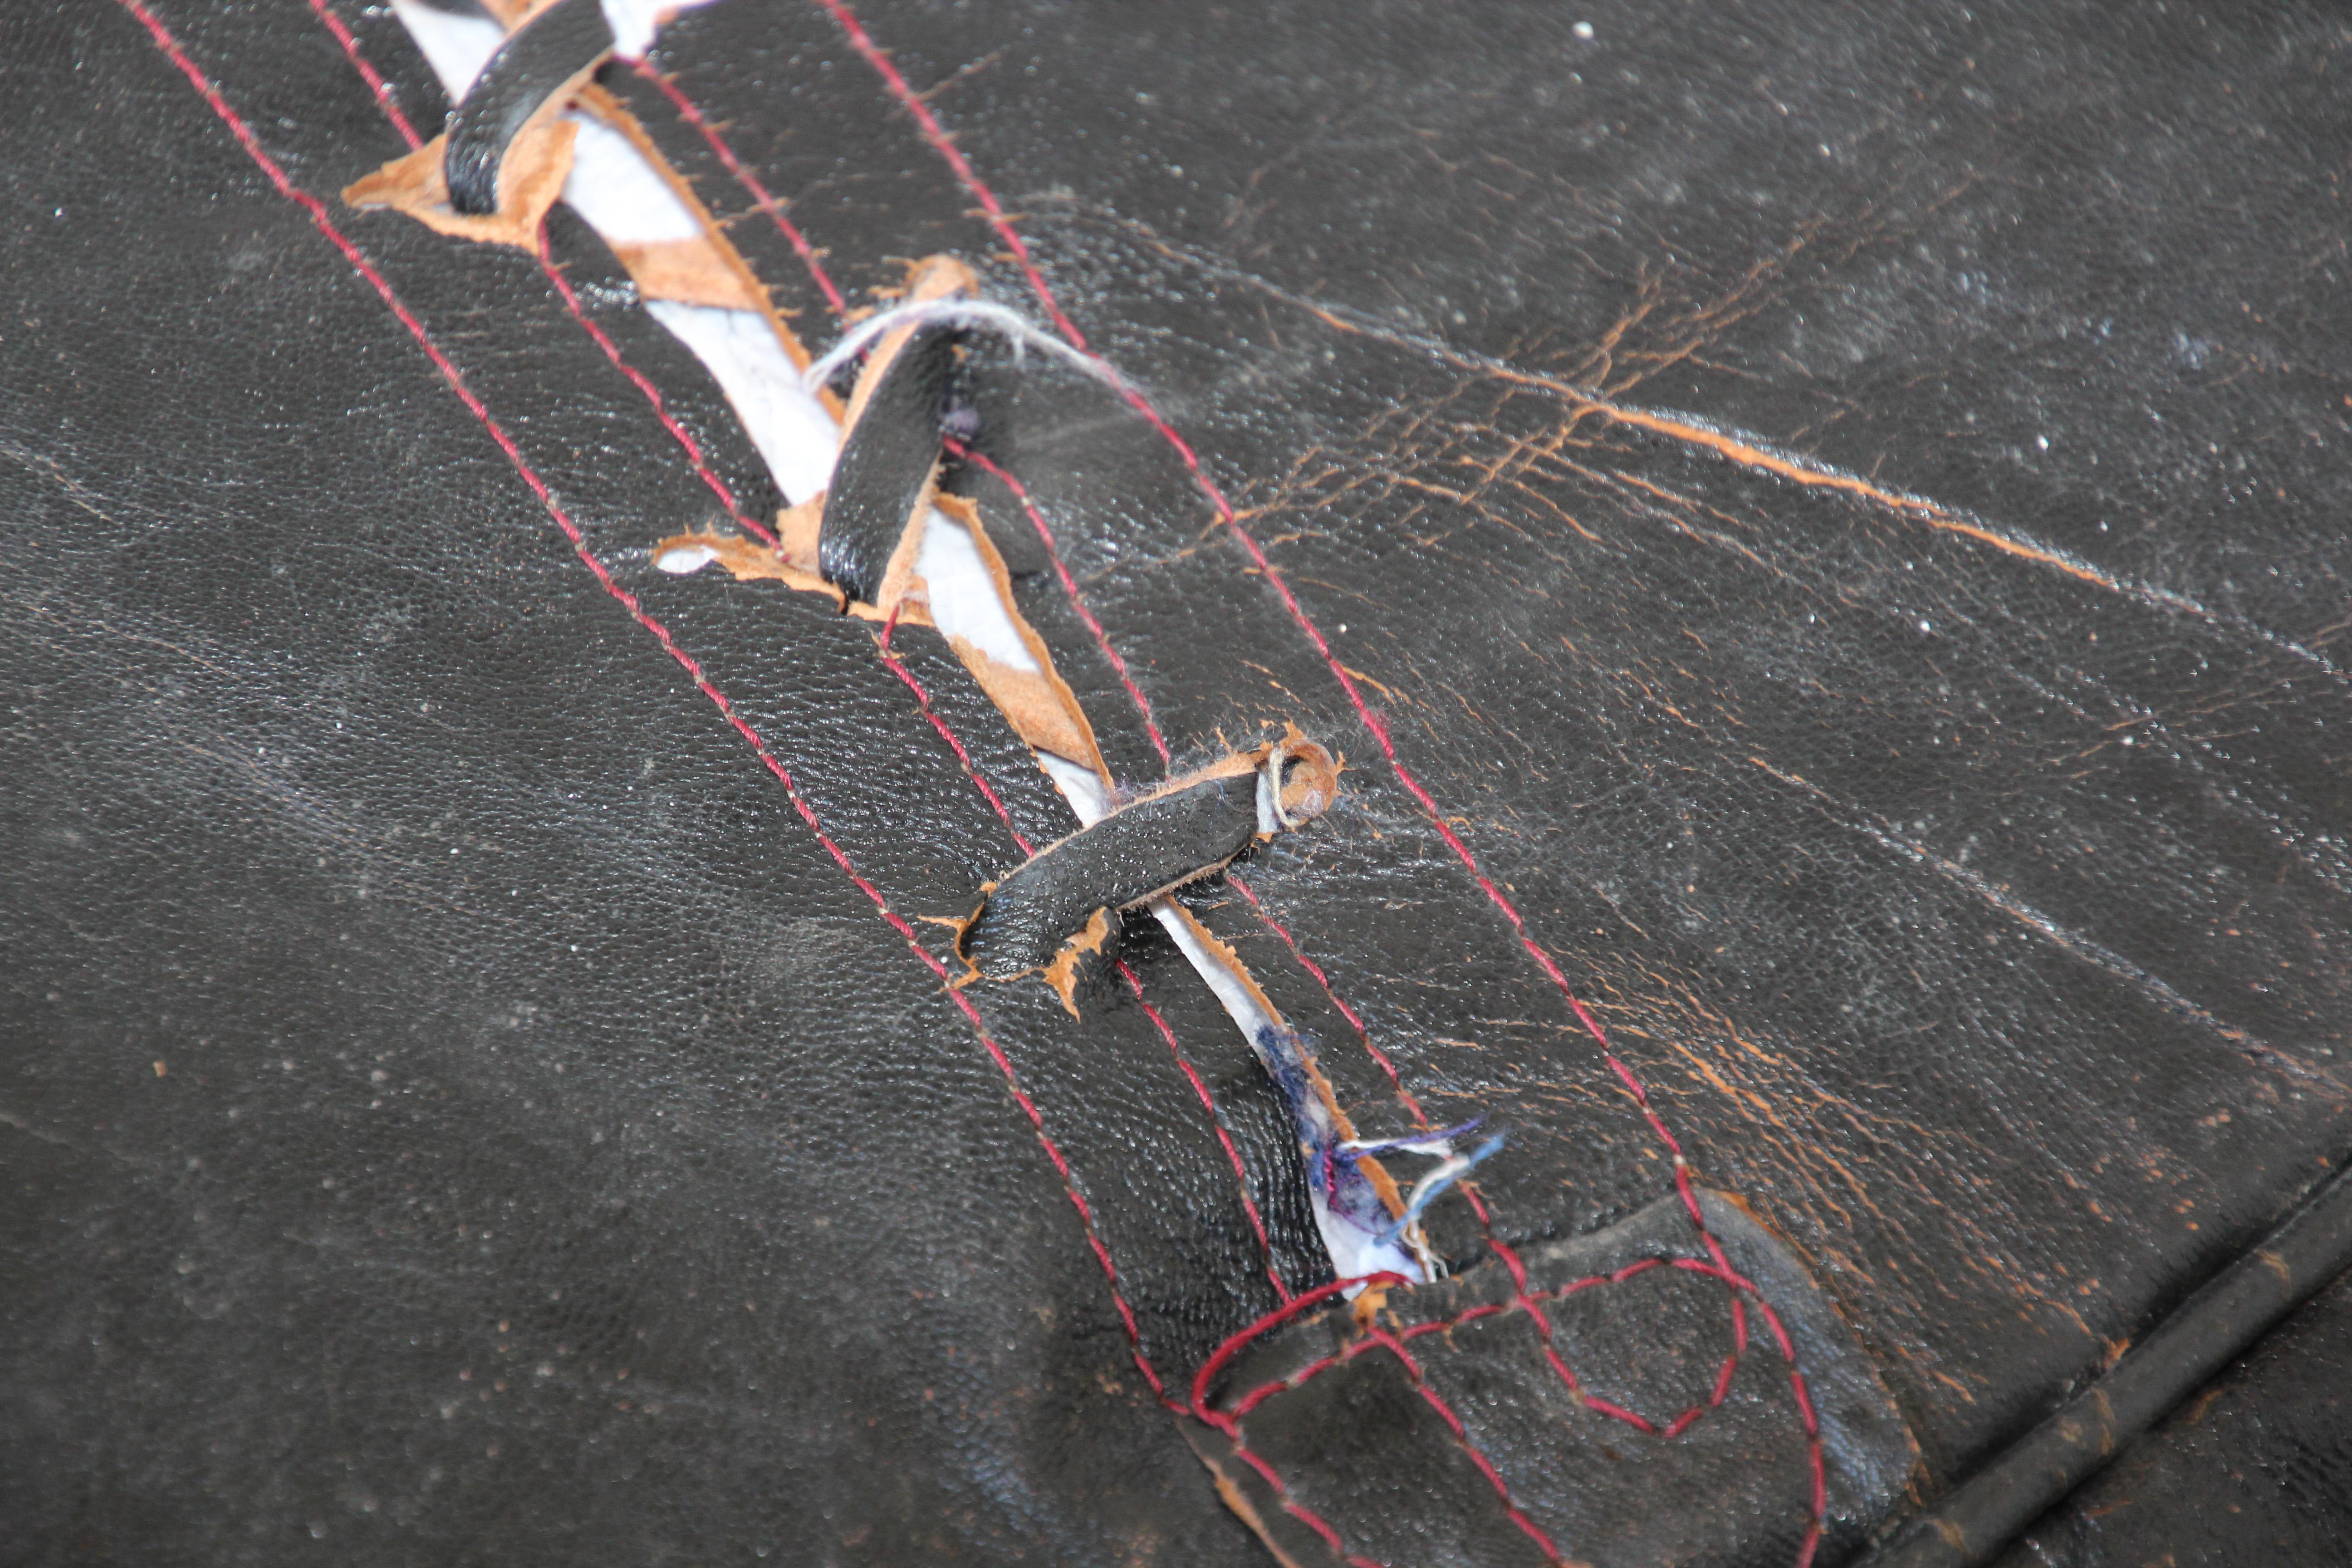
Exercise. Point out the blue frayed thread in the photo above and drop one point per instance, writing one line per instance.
(1331, 1168)
(1426, 1189)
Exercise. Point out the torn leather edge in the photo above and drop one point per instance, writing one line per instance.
(531, 180)
(703, 278)
(1974, 1521)
(706, 269)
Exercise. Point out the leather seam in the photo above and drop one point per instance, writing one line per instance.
(936, 136)
(719, 486)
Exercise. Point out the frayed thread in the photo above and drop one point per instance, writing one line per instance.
(1440, 1143)
(977, 314)
(1426, 1190)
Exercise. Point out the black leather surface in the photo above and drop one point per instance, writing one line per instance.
(2256, 1468)
(1957, 860)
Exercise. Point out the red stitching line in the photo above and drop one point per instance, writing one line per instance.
(1231, 1427)
(376, 84)
(1297, 1511)
(1739, 1284)
(936, 134)
(938, 137)
(923, 700)
(1437, 1402)
(643, 384)
(1404, 1096)
(319, 217)
(1234, 1344)
(767, 204)
(1264, 1390)
(1070, 586)
(1216, 1119)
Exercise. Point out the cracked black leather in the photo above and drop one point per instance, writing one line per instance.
(424, 1006)
(2195, 1342)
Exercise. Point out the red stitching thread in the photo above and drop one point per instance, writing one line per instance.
(1261, 1393)
(1229, 1421)
(1234, 1344)
(352, 254)
(923, 700)
(1445, 1412)
(643, 384)
(939, 138)
(936, 134)
(1070, 586)
(1209, 1104)
(767, 204)
(1297, 1511)
(1405, 1097)
(375, 83)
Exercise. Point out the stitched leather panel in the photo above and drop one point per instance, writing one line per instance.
(1826, 792)
(2013, 1031)
(1634, 1316)
(250, 509)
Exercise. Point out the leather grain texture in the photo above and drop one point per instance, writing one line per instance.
(2256, 1468)
(1818, 530)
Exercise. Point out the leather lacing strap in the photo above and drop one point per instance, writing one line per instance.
(532, 73)
(1186, 830)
